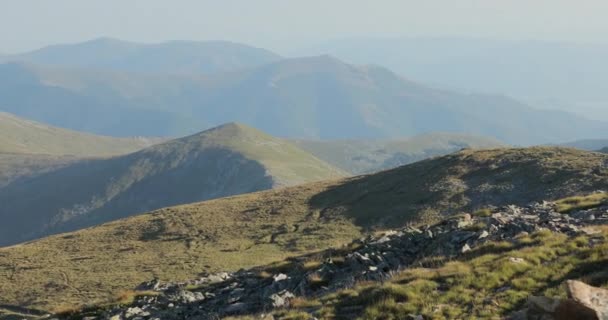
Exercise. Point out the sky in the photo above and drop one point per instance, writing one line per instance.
(283, 24)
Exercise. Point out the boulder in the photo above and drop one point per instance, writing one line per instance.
(593, 298)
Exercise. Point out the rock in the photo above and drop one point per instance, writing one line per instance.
(132, 312)
(281, 299)
(185, 296)
(543, 308)
(484, 234)
(280, 277)
(238, 307)
(150, 285)
(218, 277)
(593, 298)
(517, 260)
(116, 317)
(465, 248)
(542, 305)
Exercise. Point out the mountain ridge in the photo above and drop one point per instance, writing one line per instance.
(165, 57)
(228, 160)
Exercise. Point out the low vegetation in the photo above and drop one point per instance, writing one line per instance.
(488, 282)
(581, 202)
(179, 243)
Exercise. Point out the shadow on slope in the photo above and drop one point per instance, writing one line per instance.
(464, 181)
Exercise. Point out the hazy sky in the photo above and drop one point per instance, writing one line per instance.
(281, 24)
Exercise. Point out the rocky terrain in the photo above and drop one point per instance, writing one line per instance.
(374, 258)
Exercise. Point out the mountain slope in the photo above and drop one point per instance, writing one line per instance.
(179, 57)
(605, 150)
(365, 156)
(228, 160)
(15, 166)
(29, 137)
(181, 242)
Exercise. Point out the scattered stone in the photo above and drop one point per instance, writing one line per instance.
(281, 299)
(517, 260)
(280, 277)
(376, 258)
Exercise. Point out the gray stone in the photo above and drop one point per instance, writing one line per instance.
(281, 299)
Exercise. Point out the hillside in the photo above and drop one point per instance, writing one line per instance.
(29, 137)
(15, 166)
(316, 97)
(365, 156)
(605, 150)
(176, 57)
(227, 160)
(183, 242)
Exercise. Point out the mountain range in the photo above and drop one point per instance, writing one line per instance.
(173, 57)
(316, 97)
(177, 243)
(551, 75)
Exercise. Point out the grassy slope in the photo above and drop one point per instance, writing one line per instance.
(255, 229)
(231, 159)
(365, 156)
(29, 137)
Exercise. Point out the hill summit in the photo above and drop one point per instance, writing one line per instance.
(227, 160)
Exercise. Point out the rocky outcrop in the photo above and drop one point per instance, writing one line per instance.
(584, 303)
(375, 258)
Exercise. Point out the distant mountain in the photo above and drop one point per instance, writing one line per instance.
(179, 57)
(568, 76)
(605, 150)
(589, 144)
(256, 229)
(228, 160)
(317, 97)
(365, 156)
(28, 137)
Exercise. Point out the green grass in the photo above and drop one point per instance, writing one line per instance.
(582, 202)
